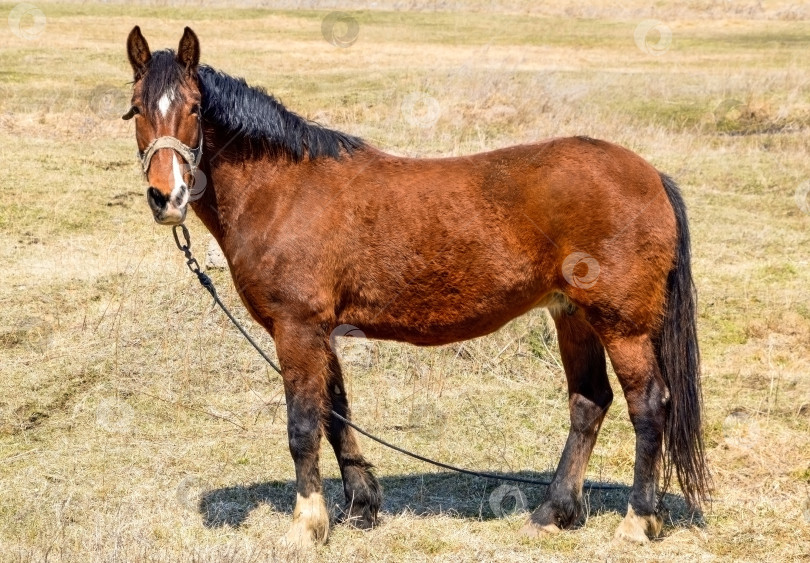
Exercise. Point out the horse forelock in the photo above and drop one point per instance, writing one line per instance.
(164, 77)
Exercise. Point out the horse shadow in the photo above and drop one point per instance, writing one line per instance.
(428, 494)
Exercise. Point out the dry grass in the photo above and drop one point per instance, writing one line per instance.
(135, 424)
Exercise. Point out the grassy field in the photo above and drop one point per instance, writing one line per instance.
(136, 424)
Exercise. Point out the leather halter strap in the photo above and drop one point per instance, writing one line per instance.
(191, 156)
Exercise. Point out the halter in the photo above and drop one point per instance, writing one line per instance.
(191, 156)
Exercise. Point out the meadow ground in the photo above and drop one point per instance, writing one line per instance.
(136, 424)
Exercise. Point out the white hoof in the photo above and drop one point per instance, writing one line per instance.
(638, 529)
(310, 524)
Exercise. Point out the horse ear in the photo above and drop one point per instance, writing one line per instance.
(188, 53)
(138, 51)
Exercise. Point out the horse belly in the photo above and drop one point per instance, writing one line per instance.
(434, 326)
(443, 305)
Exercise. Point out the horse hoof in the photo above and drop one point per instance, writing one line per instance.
(297, 538)
(360, 520)
(532, 530)
(638, 529)
(310, 522)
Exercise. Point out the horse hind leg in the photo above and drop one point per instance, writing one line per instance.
(361, 488)
(590, 396)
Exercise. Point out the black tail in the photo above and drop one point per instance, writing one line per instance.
(679, 362)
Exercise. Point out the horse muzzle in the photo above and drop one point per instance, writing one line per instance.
(168, 210)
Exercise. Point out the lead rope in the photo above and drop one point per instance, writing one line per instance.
(206, 282)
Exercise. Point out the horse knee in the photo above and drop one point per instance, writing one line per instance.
(303, 428)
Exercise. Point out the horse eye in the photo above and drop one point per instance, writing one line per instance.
(195, 109)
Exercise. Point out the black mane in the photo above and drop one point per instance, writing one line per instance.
(248, 116)
(261, 121)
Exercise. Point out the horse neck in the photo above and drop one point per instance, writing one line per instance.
(229, 181)
(206, 206)
(232, 181)
(207, 210)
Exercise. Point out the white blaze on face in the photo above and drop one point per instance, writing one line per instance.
(179, 189)
(165, 102)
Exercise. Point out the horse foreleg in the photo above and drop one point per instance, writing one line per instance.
(304, 356)
(361, 487)
(590, 396)
(636, 367)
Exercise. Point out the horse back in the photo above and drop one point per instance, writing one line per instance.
(437, 250)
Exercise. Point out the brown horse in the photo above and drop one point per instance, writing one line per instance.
(322, 230)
